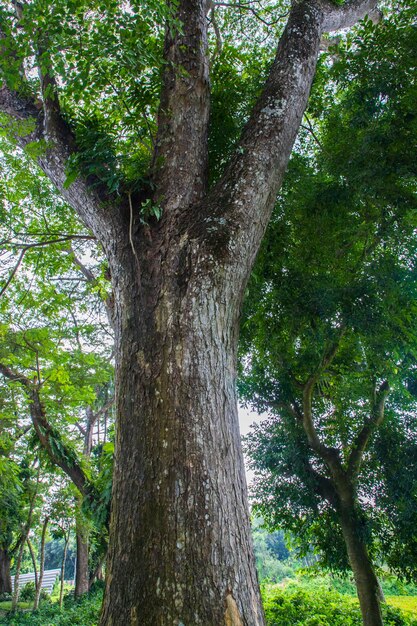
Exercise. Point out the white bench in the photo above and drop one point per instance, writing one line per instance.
(48, 581)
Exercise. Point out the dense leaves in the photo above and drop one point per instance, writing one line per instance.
(333, 299)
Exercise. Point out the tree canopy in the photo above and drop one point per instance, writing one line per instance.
(328, 336)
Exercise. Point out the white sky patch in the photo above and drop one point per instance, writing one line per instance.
(246, 419)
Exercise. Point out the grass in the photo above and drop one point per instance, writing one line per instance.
(408, 604)
(298, 604)
(7, 605)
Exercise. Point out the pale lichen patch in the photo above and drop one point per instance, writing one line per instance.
(232, 615)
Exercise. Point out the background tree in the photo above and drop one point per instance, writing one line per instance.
(329, 329)
(56, 333)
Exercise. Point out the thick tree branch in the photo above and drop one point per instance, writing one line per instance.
(45, 433)
(44, 122)
(323, 485)
(362, 438)
(181, 147)
(349, 13)
(239, 206)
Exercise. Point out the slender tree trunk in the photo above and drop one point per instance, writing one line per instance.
(32, 556)
(181, 465)
(81, 570)
(367, 584)
(41, 564)
(5, 578)
(61, 588)
(15, 597)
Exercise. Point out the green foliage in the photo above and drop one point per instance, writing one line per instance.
(336, 275)
(302, 608)
(271, 556)
(109, 92)
(84, 611)
(99, 508)
(27, 593)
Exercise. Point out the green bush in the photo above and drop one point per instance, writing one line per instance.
(27, 592)
(324, 608)
(84, 612)
(5, 597)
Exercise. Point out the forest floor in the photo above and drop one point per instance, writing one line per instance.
(299, 603)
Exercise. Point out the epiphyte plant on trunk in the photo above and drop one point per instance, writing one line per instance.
(179, 495)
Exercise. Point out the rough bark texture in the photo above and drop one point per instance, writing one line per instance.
(179, 486)
(180, 544)
(5, 578)
(369, 592)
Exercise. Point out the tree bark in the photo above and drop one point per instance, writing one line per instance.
(179, 484)
(367, 584)
(180, 543)
(64, 556)
(81, 570)
(15, 598)
(5, 578)
(32, 556)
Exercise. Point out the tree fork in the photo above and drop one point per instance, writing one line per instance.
(180, 546)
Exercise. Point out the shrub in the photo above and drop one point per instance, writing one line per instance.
(27, 592)
(298, 607)
(84, 612)
(5, 597)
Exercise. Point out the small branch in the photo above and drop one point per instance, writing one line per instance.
(25, 248)
(104, 409)
(217, 33)
(246, 7)
(13, 272)
(108, 302)
(312, 132)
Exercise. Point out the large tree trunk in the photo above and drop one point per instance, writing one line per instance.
(180, 544)
(5, 578)
(367, 585)
(179, 486)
